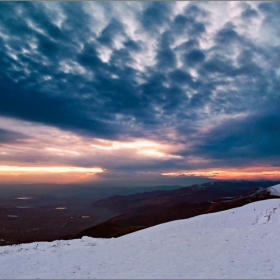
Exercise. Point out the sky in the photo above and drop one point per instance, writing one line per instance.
(139, 91)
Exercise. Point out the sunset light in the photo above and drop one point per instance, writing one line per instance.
(247, 173)
(50, 174)
(117, 116)
(140, 92)
(53, 169)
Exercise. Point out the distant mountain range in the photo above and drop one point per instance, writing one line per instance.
(48, 217)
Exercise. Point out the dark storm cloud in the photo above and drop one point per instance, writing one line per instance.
(187, 23)
(194, 57)
(166, 58)
(226, 35)
(155, 15)
(250, 138)
(66, 66)
(24, 95)
(57, 111)
(249, 13)
(270, 8)
(88, 57)
(109, 32)
(60, 100)
(132, 45)
(180, 77)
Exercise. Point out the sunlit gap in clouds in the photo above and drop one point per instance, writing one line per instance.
(42, 153)
(143, 147)
(48, 141)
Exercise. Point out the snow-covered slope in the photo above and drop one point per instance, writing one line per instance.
(274, 190)
(238, 243)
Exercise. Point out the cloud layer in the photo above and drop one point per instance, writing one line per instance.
(201, 80)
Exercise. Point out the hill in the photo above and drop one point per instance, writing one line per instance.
(236, 243)
(142, 210)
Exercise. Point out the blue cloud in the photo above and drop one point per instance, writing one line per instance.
(159, 67)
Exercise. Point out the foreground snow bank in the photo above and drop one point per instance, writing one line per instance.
(237, 243)
(274, 190)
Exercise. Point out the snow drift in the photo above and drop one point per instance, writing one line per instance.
(237, 243)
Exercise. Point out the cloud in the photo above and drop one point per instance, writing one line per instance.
(249, 13)
(164, 72)
(194, 57)
(109, 32)
(166, 58)
(180, 77)
(251, 138)
(7, 136)
(155, 15)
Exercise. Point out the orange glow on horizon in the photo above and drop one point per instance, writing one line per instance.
(47, 174)
(52, 169)
(227, 174)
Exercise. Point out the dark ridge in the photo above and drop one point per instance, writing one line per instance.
(120, 214)
(166, 210)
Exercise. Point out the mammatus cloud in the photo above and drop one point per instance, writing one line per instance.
(197, 82)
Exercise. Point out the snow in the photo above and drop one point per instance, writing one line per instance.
(238, 243)
(275, 190)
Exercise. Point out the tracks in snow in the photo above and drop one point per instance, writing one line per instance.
(265, 216)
